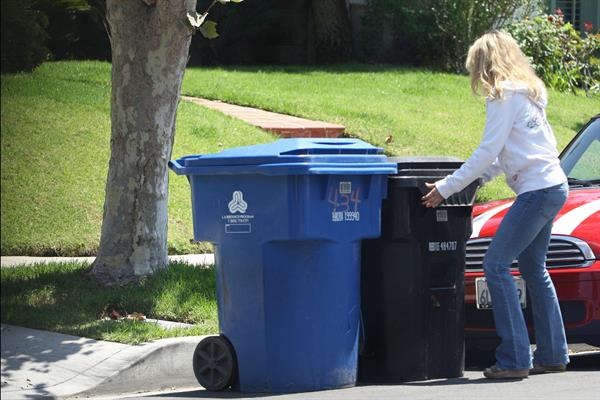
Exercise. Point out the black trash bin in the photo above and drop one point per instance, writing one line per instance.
(413, 279)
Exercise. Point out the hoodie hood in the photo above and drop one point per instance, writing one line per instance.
(522, 88)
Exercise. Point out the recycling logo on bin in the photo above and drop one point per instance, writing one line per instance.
(345, 200)
(237, 204)
(242, 222)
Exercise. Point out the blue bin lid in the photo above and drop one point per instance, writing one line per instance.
(290, 157)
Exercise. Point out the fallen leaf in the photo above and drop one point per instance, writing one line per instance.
(136, 316)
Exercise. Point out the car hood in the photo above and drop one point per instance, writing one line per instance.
(579, 217)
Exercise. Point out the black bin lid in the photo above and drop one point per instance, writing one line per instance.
(414, 171)
(424, 165)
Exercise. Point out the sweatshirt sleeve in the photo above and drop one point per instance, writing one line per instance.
(492, 171)
(500, 116)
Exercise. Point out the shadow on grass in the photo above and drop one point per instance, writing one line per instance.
(63, 298)
(349, 68)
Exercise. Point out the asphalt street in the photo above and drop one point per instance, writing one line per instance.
(580, 382)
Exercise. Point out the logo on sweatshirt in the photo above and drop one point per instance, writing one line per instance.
(533, 122)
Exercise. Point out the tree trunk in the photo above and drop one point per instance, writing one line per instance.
(150, 41)
(330, 22)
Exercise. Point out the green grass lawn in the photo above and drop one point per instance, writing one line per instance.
(427, 113)
(61, 297)
(55, 150)
(55, 131)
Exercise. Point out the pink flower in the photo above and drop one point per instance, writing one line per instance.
(587, 26)
(558, 12)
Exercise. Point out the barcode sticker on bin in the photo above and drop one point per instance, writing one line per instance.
(345, 187)
(441, 215)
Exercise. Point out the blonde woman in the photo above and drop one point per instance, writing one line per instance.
(519, 142)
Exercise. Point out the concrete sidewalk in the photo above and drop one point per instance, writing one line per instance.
(12, 261)
(283, 125)
(44, 364)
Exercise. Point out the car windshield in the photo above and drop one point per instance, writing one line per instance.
(581, 159)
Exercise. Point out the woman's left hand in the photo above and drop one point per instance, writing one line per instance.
(433, 198)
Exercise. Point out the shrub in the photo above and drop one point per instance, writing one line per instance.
(23, 36)
(36, 30)
(437, 33)
(75, 28)
(560, 56)
(399, 31)
(461, 22)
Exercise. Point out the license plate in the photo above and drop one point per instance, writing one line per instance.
(484, 298)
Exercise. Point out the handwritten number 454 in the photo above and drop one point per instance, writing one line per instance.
(344, 202)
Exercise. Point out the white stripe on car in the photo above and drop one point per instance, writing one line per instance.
(480, 220)
(569, 221)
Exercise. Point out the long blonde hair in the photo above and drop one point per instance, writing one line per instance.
(496, 57)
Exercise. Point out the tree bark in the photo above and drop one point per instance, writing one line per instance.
(150, 41)
(332, 31)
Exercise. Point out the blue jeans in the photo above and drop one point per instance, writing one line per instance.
(524, 234)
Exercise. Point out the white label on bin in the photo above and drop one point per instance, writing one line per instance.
(337, 216)
(238, 228)
(237, 221)
(441, 215)
(442, 246)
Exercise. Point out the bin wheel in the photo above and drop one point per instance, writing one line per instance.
(214, 363)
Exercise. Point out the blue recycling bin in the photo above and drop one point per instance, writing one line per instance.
(286, 220)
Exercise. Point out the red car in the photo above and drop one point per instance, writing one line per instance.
(573, 255)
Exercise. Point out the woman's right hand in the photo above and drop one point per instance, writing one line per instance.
(433, 198)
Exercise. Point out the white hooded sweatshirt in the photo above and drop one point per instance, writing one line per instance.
(517, 140)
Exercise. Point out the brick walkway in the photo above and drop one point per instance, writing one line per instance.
(280, 124)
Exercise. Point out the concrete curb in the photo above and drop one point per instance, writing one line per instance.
(12, 261)
(42, 364)
(149, 367)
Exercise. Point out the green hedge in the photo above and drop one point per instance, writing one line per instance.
(560, 55)
(23, 35)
